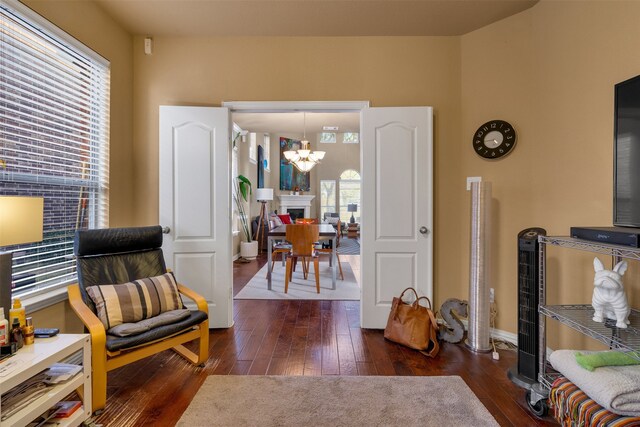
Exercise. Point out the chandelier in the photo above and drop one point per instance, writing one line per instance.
(304, 159)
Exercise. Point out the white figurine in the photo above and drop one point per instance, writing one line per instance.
(609, 299)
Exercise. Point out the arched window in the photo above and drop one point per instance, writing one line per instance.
(349, 194)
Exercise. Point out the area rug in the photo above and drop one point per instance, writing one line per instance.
(349, 246)
(228, 400)
(299, 288)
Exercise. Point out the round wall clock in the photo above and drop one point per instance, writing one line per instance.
(494, 139)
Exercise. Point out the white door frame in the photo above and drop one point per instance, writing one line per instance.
(309, 106)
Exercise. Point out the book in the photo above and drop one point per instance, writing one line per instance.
(66, 408)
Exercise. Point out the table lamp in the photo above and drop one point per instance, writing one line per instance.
(352, 207)
(263, 195)
(21, 221)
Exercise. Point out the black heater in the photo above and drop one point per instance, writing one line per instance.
(525, 374)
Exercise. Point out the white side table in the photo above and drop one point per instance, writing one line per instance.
(33, 359)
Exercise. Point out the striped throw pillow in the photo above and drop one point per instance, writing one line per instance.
(135, 301)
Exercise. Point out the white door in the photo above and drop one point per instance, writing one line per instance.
(195, 203)
(397, 221)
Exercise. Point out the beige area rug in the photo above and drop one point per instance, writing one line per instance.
(299, 288)
(335, 401)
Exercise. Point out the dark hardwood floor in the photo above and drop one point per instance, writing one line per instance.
(300, 338)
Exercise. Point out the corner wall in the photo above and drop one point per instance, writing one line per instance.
(550, 72)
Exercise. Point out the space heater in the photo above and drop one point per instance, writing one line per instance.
(525, 373)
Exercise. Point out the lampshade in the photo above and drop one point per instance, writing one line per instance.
(20, 220)
(264, 194)
(352, 207)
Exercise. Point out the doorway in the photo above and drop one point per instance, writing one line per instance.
(332, 127)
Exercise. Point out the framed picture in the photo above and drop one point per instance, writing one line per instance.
(291, 179)
(253, 148)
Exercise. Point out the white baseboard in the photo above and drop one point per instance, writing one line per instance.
(236, 257)
(498, 334)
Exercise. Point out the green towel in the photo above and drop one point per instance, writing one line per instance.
(607, 358)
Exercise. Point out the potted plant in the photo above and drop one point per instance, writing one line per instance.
(242, 193)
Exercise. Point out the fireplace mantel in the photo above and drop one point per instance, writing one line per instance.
(288, 201)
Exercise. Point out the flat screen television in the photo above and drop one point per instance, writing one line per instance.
(626, 156)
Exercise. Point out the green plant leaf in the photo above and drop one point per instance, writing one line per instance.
(245, 187)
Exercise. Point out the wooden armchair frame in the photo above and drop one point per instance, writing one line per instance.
(103, 361)
(122, 255)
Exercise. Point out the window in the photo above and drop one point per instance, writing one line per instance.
(266, 146)
(351, 138)
(54, 138)
(327, 197)
(328, 138)
(349, 193)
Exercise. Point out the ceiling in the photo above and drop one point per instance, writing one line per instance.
(309, 17)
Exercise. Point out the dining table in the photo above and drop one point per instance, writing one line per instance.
(325, 231)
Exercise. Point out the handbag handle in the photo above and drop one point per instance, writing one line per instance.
(417, 299)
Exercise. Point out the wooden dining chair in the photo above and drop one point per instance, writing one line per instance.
(281, 247)
(324, 251)
(302, 238)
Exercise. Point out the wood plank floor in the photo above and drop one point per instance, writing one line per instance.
(300, 338)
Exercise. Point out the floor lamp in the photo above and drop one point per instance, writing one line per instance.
(20, 222)
(263, 195)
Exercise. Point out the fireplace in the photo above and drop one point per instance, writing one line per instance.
(295, 213)
(291, 203)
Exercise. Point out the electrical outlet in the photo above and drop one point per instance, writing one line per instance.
(471, 179)
(492, 295)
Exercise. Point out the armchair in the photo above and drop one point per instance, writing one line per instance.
(115, 257)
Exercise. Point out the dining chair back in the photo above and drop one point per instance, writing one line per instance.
(302, 238)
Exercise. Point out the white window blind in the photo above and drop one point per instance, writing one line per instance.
(54, 138)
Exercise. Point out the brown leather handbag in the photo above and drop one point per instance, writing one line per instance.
(413, 325)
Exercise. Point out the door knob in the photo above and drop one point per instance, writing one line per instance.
(166, 230)
(424, 230)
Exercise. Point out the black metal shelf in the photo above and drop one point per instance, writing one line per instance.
(579, 317)
(589, 246)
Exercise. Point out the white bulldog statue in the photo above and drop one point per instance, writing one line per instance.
(609, 299)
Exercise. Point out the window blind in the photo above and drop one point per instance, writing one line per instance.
(54, 139)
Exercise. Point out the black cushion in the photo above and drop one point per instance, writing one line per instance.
(117, 255)
(116, 240)
(115, 343)
(121, 255)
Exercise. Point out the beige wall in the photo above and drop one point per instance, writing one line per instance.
(550, 71)
(385, 71)
(89, 24)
